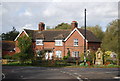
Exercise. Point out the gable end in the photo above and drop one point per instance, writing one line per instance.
(20, 34)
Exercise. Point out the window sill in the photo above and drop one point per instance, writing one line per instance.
(76, 45)
(58, 45)
(39, 44)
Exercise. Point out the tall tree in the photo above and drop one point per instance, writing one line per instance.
(97, 30)
(63, 26)
(26, 50)
(110, 40)
(11, 35)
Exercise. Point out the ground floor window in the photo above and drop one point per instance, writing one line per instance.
(59, 54)
(75, 54)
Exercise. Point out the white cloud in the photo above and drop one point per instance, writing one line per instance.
(53, 13)
(60, 0)
(49, 12)
(26, 26)
(27, 13)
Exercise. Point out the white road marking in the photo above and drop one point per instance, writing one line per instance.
(86, 78)
(116, 77)
(3, 76)
(79, 79)
(75, 73)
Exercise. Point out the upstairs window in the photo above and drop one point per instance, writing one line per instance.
(75, 42)
(75, 54)
(58, 42)
(39, 42)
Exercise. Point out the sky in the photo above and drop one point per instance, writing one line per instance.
(28, 13)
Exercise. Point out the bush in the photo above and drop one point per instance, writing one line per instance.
(65, 57)
(7, 57)
(71, 60)
(110, 65)
(111, 61)
(82, 64)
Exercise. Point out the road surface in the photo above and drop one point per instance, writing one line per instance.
(53, 73)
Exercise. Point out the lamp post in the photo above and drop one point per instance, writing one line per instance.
(85, 40)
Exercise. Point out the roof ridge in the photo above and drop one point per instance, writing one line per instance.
(58, 30)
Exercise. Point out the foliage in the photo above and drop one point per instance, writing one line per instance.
(11, 35)
(82, 57)
(41, 54)
(68, 54)
(91, 57)
(97, 31)
(65, 57)
(63, 26)
(15, 56)
(108, 53)
(82, 64)
(26, 50)
(7, 57)
(110, 40)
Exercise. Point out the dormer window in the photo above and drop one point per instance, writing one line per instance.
(39, 42)
(58, 43)
(75, 42)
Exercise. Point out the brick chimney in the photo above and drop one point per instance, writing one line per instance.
(74, 24)
(41, 26)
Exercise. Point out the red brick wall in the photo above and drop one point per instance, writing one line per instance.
(50, 45)
(8, 53)
(70, 43)
(93, 46)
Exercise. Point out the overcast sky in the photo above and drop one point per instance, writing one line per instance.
(29, 14)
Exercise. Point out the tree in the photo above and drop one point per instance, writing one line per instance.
(11, 35)
(63, 26)
(111, 38)
(26, 50)
(97, 31)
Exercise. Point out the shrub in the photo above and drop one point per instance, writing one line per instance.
(82, 64)
(7, 57)
(65, 57)
(111, 61)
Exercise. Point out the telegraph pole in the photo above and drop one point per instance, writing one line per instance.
(85, 40)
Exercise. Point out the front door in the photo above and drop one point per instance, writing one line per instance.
(48, 55)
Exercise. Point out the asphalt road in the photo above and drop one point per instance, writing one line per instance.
(67, 74)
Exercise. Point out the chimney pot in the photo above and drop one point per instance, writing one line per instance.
(41, 26)
(74, 24)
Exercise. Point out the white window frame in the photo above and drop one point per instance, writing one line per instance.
(58, 43)
(39, 40)
(75, 42)
(75, 54)
(58, 54)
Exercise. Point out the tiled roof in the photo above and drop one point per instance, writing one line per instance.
(89, 35)
(51, 35)
(8, 45)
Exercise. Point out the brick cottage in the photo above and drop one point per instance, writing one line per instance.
(58, 42)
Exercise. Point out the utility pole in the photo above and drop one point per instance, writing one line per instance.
(85, 40)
